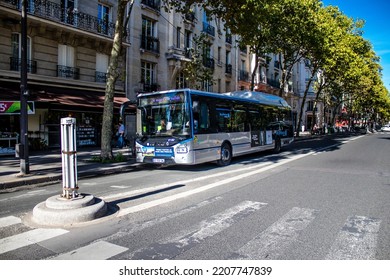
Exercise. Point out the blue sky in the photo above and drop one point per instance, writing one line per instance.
(376, 29)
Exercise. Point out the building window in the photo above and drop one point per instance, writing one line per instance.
(181, 81)
(104, 18)
(178, 37)
(66, 61)
(68, 11)
(148, 76)
(148, 38)
(229, 68)
(187, 43)
(101, 67)
(207, 27)
(16, 48)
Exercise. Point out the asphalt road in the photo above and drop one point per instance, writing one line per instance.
(327, 198)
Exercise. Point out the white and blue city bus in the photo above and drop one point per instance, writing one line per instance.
(188, 126)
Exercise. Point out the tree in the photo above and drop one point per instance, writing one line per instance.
(195, 71)
(113, 73)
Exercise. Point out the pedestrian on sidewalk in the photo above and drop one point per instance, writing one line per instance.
(120, 134)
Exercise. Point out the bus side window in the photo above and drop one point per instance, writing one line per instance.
(204, 118)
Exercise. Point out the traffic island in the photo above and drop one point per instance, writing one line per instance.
(59, 211)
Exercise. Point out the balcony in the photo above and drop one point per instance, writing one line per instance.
(190, 16)
(154, 4)
(273, 83)
(16, 63)
(209, 29)
(244, 75)
(54, 12)
(208, 62)
(68, 72)
(229, 39)
(150, 87)
(229, 69)
(150, 43)
(100, 77)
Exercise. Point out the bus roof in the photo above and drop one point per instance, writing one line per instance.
(253, 96)
(261, 97)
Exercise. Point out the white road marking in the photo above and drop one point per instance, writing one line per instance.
(183, 182)
(272, 242)
(357, 239)
(120, 187)
(147, 205)
(9, 221)
(28, 238)
(135, 227)
(190, 237)
(100, 250)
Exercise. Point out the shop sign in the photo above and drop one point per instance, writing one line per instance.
(13, 107)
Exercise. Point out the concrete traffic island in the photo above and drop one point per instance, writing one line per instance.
(70, 207)
(60, 211)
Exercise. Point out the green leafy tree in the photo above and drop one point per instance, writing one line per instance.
(196, 71)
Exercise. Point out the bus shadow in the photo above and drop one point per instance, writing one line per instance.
(146, 194)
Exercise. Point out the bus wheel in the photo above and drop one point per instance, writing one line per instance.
(226, 155)
(278, 145)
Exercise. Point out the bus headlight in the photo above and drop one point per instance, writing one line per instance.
(181, 149)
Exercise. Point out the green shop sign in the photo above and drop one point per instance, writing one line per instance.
(13, 107)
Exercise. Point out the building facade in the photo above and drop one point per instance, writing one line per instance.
(68, 48)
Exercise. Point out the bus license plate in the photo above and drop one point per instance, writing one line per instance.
(158, 160)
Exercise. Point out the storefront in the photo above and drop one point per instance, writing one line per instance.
(47, 108)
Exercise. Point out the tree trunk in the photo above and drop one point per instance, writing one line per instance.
(253, 74)
(112, 76)
(304, 101)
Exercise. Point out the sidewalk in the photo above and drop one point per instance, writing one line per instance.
(46, 166)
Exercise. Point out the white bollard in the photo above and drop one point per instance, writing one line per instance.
(69, 158)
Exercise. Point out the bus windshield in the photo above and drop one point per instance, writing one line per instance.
(164, 115)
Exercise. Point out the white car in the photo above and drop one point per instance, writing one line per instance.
(386, 128)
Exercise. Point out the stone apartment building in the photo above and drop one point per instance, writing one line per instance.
(69, 43)
(68, 48)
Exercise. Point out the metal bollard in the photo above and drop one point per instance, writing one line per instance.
(69, 158)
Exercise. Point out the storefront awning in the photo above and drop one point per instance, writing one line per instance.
(64, 99)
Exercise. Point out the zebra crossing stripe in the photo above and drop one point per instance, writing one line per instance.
(28, 238)
(272, 242)
(193, 236)
(356, 240)
(9, 221)
(100, 250)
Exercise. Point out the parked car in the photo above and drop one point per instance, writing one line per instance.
(386, 128)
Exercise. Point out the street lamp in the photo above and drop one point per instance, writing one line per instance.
(23, 148)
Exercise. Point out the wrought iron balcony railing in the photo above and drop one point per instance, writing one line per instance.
(154, 4)
(16, 63)
(273, 83)
(229, 69)
(229, 38)
(208, 28)
(150, 43)
(53, 11)
(208, 62)
(244, 75)
(150, 87)
(100, 77)
(68, 72)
